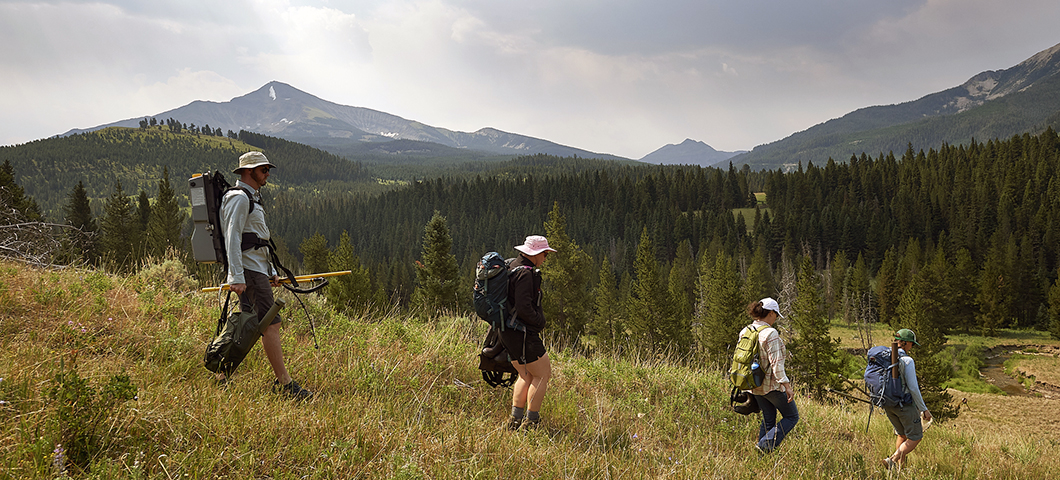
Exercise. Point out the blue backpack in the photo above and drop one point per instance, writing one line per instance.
(884, 389)
(491, 292)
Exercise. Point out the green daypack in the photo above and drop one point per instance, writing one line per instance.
(235, 336)
(746, 372)
(232, 343)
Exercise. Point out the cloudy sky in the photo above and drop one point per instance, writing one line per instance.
(615, 76)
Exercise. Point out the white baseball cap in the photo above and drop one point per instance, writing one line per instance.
(769, 304)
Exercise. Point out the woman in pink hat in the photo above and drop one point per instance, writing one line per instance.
(523, 337)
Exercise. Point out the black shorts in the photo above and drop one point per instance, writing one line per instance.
(523, 347)
(258, 295)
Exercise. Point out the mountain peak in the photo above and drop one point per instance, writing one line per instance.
(689, 143)
(281, 110)
(991, 84)
(688, 152)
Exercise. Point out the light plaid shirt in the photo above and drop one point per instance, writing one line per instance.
(771, 355)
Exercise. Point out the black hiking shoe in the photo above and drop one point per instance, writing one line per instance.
(292, 390)
(514, 423)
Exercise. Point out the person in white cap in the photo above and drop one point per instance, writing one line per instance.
(523, 340)
(250, 273)
(776, 393)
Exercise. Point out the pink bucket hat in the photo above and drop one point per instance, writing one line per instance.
(534, 245)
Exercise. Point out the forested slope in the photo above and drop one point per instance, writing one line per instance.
(982, 218)
(48, 169)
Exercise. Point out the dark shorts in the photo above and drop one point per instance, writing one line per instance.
(258, 295)
(906, 421)
(523, 347)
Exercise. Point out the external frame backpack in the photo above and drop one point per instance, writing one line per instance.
(883, 379)
(746, 372)
(206, 192)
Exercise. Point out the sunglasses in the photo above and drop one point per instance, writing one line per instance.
(265, 169)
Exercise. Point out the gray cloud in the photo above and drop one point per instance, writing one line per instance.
(622, 76)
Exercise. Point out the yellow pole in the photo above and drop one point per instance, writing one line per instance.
(300, 278)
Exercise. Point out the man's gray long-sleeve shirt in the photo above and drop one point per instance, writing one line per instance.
(235, 222)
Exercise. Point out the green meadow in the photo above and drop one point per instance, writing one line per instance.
(102, 377)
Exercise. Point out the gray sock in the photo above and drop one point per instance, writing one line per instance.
(517, 412)
(533, 416)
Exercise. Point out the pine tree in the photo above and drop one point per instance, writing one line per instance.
(682, 294)
(567, 272)
(1054, 309)
(607, 324)
(166, 220)
(814, 358)
(437, 277)
(315, 254)
(720, 309)
(963, 286)
(857, 291)
(78, 214)
(351, 292)
(993, 297)
(13, 197)
(644, 304)
(759, 280)
(888, 290)
(143, 216)
(120, 231)
(835, 284)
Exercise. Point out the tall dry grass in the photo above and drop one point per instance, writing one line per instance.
(401, 397)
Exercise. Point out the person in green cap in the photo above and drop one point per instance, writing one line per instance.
(907, 418)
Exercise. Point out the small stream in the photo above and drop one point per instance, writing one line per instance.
(994, 370)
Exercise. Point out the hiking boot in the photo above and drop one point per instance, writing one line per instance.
(888, 463)
(529, 424)
(292, 390)
(514, 423)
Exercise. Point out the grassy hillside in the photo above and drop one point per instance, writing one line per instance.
(110, 368)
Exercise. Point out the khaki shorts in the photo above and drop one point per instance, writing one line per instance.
(906, 421)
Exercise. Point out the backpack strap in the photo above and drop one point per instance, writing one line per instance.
(250, 196)
(224, 314)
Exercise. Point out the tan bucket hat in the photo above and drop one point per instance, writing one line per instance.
(252, 160)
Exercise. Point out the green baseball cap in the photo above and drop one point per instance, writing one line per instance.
(906, 335)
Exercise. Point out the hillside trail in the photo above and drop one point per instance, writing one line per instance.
(994, 370)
